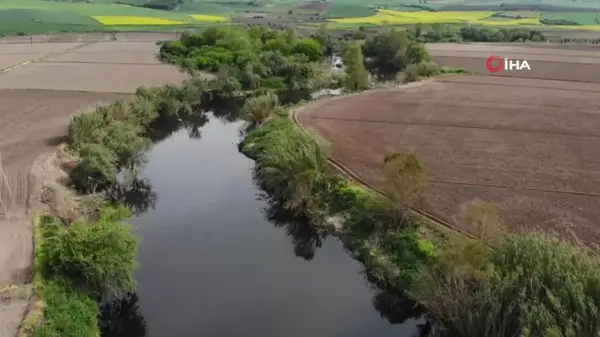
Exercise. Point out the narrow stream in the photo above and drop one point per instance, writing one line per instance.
(217, 260)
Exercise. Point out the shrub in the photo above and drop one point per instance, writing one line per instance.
(410, 254)
(98, 259)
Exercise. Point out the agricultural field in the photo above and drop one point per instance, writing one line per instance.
(524, 143)
(38, 16)
(580, 21)
(41, 16)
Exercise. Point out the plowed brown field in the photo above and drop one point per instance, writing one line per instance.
(531, 147)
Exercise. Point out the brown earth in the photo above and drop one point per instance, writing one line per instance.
(546, 64)
(74, 77)
(528, 146)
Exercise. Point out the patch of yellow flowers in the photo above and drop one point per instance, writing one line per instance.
(384, 16)
(208, 18)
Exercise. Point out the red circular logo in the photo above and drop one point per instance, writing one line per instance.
(494, 64)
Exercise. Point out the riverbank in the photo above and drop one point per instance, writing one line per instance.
(435, 267)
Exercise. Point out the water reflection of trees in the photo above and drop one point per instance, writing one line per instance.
(166, 126)
(395, 307)
(135, 193)
(122, 318)
(305, 238)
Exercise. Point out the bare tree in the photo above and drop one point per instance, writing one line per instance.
(406, 182)
(484, 220)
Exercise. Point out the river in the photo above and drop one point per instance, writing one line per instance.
(217, 259)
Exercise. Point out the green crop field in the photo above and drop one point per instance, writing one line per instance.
(579, 18)
(341, 10)
(41, 16)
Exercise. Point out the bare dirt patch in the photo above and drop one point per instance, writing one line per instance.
(113, 52)
(35, 48)
(15, 54)
(13, 302)
(531, 150)
(546, 63)
(96, 77)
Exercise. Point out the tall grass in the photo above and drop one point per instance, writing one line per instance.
(260, 109)
(294, 166)
(527, 286)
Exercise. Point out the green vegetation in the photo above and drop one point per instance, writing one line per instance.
(79, 266)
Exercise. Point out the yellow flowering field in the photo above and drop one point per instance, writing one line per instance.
(208, 18)
(135, 21)
(473, 17)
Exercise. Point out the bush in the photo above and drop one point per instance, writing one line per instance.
(414, 72)
(98, 259)
(410, 254)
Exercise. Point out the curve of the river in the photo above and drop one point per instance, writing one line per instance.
(217, 258)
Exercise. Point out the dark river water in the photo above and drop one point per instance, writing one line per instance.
(217, 260)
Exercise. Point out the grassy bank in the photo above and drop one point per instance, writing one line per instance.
(499, 285)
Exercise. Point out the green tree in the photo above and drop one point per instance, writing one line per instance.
(416, 53)
(357, 77)
(386, 53)
(127, 144)
(309, 47)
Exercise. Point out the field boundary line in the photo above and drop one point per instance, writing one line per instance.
(587, 194)
(45, 57)
(525, 86)
(511, 53)
(458, 126)
(353, 176)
